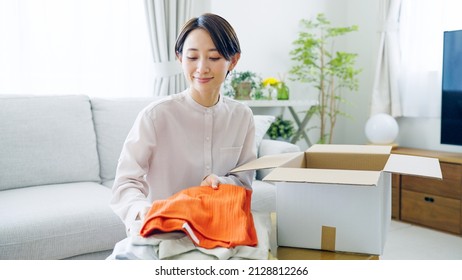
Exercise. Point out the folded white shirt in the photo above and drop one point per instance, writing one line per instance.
(177, 245)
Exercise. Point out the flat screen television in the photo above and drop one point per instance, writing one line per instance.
(451, 109)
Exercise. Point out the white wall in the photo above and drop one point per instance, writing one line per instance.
(267, 28)
(364, 42)
(200, 7)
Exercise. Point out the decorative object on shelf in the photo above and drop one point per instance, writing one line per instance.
(381, 129)
(276, 88)
(270, 85)
(330, 71)
(242, 85)
(283, 91)
(281, 129)
(258, 93)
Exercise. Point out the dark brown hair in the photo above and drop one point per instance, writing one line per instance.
(222, 33)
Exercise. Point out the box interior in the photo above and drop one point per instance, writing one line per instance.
(338, 161)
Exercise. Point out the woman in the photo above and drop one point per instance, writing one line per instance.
(191, 138)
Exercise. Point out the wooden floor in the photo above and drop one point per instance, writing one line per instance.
(404, 242)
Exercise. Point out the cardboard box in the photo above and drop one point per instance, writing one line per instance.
(337, 197)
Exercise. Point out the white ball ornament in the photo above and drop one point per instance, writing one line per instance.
(381, 129)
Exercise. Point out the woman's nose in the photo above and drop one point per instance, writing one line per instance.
(202, 66)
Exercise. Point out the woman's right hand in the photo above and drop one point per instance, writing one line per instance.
(211, 180)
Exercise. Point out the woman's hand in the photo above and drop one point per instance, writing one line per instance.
(211, 180)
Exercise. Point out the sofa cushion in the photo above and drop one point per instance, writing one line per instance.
(113, 119)
(272, 147)
(57, 221)
(46, 140)
(262, 124)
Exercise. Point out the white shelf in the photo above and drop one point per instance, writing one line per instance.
(279, 103)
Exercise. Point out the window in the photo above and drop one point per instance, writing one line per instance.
(93, 47)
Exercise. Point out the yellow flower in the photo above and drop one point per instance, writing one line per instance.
(270, 82)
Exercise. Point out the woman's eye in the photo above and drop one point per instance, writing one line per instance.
(196, 58)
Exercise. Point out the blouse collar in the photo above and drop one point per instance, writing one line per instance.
(200, 107)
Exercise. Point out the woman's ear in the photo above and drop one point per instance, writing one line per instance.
(234, 59)
(179, 57)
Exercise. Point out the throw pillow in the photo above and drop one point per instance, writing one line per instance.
(262, 124)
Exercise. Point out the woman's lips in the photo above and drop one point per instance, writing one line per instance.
(203, 80)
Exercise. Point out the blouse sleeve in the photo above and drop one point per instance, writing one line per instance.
(130, 189)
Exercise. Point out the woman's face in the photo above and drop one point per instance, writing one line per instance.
(204, 67)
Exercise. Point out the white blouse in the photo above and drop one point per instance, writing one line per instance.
(175, 143)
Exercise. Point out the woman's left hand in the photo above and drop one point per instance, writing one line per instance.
(211, 180)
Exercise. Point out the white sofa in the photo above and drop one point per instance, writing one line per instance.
(58, 156)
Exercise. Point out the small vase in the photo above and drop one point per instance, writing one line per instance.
(270, 94)
(283, 92)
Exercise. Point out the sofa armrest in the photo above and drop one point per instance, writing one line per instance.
(272, 147)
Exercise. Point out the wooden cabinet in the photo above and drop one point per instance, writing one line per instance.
(430, 202)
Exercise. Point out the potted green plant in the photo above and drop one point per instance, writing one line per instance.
(281, 129)
(243, 84)
(330, 71)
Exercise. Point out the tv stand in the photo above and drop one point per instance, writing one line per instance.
(430, 202)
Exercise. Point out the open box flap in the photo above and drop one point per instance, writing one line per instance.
(414, 165)
(269, 161)
(350, 149)
(327, 176)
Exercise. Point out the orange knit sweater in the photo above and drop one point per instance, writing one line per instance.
(217, 218)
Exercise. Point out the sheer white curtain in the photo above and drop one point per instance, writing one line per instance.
(422, 24)
(95, 47)
(165, 19)
(385, 94)
(408, 75)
